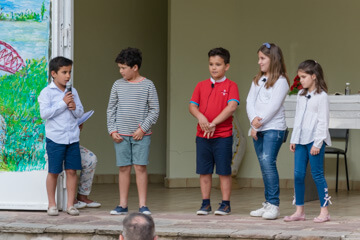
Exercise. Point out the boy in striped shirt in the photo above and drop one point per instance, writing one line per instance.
(133, 108)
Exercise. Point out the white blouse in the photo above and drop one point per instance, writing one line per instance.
(268, 104)
(311, 122)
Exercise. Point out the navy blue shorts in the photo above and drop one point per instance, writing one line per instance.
(58, 153)
(214, 152)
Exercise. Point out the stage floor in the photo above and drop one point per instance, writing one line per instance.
(174, 214)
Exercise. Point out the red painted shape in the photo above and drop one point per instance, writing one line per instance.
(10, 60)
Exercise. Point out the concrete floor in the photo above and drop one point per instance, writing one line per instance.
(174, 215)
(188, 200)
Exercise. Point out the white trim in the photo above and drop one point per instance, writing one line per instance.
(27, 190)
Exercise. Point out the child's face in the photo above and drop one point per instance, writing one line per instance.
(127, 72)
(217, 67)
(264, 62)
(307, 80)
(62, 76)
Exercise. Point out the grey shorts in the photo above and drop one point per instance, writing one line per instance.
(130, 151)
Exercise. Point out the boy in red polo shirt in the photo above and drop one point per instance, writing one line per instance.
(213, 103)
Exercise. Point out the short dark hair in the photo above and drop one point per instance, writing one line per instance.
(221, 52)
(138, 226)
(56, 63)
(130, 56)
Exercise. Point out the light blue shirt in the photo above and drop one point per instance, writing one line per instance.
(61, 124)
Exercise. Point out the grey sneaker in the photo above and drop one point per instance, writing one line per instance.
(271, 212)
(53, 211)
(259, 212)
(73, 211)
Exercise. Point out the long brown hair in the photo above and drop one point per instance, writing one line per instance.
(277, 66)
(312, 67)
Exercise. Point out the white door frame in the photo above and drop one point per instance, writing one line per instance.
(27, 190)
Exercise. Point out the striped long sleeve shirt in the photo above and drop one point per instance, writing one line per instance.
(132, 105)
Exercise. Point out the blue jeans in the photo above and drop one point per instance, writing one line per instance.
(267, 148)
(302, 157)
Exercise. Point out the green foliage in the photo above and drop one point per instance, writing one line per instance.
(43, 10)
(28, 15)
(25, 130)
(2, 15)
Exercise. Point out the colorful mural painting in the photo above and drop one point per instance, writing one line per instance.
(24, 53)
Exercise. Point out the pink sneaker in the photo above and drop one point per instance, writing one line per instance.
(321, 220)
(294, 218)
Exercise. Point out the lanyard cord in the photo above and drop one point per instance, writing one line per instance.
(257, 95)
(207, 102)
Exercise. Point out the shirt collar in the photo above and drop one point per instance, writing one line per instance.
(53, 86)
(312, 92)
(218, 81)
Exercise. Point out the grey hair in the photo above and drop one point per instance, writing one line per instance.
(138, 226)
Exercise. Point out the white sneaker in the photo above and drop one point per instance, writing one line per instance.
(80, 205)
(271, 212)
(259, 212)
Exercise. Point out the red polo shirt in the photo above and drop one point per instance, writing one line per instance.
(211, 100)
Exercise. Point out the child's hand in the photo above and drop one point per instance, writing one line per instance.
(204, 123)
(68, 98)
(72, 105)
(211, 130)
(138, 134)
(254, 134)
(314, 151)
(116, 137)
(292, 147)
(256, 122)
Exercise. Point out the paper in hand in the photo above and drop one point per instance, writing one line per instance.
(85, 117)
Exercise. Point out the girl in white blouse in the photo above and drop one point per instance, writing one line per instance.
(309, 137)
(266, 113)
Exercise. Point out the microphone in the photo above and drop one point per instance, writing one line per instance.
(308, 96)
(212, 85)
(68, 86)
(264, 80)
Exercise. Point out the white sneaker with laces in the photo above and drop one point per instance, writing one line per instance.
(259, 212)
(271, 212)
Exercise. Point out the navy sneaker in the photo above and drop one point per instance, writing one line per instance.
(144, 210)
(205, 209)
(119, 211)
(224, 209)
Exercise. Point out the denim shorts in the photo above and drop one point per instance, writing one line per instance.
(130, 151)
(214, 152)
(59, 154)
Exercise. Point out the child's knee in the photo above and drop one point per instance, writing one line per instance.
(125, 169)
(299, 177)
(70, 172)
(140, 168)
(89, 163)
(53, 175)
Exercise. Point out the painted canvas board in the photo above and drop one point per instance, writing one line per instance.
(24, 53)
